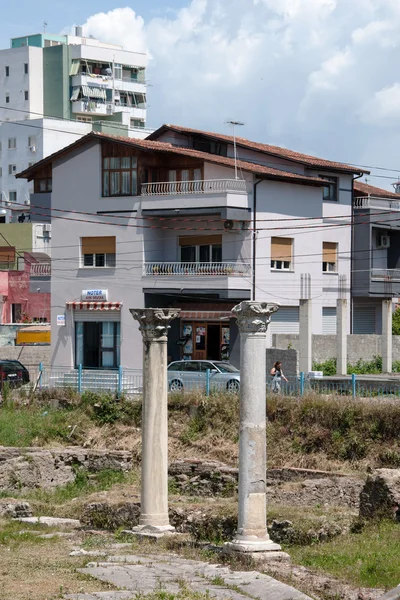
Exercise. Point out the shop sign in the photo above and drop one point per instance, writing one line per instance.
(60, 320)
(94, 295)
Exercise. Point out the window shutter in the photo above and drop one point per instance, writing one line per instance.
(281, 249)
(200, 240)
(329, 252)
(7, 254)
(98, 245)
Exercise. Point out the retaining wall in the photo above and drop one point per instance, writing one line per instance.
(363, 347)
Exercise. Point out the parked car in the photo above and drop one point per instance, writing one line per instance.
(13, 372)
(191, 374)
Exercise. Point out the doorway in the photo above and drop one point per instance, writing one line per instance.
(214, 342)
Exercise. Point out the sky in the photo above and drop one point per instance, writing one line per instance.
(317, 76)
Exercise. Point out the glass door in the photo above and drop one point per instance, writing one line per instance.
(200, 342)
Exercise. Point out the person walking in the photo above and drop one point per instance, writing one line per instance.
(277, 376)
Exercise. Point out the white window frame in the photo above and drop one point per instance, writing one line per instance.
(32, 140)
(330, 267)
(12, 169)
(12, 143)
(9, 196)
(281, 265)
(109, 261)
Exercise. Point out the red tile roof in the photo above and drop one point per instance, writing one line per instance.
(154, 146)
(365, 189)
(305, 159)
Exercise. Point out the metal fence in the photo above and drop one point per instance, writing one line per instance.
(130, 382)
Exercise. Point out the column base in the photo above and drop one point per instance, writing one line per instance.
(260, 550)
(150, 531)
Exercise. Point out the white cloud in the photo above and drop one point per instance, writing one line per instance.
(384, 107)
(314, 75)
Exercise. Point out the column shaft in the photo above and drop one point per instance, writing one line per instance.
(387, 336)
(341, 337)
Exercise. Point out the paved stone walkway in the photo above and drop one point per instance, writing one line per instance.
(134, 574)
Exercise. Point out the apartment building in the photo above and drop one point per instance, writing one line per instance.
(376, 255)
(176, 220)
(57, 88)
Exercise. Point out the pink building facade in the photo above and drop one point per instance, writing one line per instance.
(25, 294)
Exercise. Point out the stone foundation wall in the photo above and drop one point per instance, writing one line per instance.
(24, 469)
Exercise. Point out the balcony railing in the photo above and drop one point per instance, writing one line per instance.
(386, 274)
(235, 269)
(211, 186)
(40, 269)
(378, 203)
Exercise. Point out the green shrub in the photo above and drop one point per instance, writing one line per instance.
(106, 408)
(328, 367)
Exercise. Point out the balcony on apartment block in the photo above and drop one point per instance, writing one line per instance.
(235, 275)
(160, 197)
(96, 106)
(124, 84)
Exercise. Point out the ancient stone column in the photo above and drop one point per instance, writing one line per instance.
(154, 324)
(252, 535)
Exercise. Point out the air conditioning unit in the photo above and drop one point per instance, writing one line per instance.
(384, 241)
(26, 202)
(32, 149)
(236, 226)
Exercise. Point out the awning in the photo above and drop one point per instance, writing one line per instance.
(94, 305)
(94, 92)
(75, 94)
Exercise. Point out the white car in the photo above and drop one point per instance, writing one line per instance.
(192, 374)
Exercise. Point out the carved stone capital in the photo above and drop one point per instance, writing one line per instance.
(154, 322)
(254, 317)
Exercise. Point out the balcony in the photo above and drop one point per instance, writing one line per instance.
(233, 269)
(91, 107)
(180, 195)
(40, 270)
(106, 82)
(386, 275)
(192, 276)
(376, 203)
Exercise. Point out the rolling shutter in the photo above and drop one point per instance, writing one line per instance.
(281, 249)
(329, 252)
(286, 320)
(98, 245)
(364, 318)
(329, 320)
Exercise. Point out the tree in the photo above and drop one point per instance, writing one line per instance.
(396, 322)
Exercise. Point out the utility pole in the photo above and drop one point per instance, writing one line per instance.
(234, 124)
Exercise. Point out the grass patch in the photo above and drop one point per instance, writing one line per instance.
(83, 485)
(34, 425)
(367, 559)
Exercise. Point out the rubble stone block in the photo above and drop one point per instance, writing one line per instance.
(380, 497)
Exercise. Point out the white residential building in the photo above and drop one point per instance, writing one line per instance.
(171, 226)
(56, 88)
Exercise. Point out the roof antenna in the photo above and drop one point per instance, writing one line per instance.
(44, 26)
(234, 124)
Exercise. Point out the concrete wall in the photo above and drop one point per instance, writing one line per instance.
(289, 359)
(29, 356)
(363, 347)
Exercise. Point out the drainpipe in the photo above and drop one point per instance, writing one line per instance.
(253, 288)
(352, 250)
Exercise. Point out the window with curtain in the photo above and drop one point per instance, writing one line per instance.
(329, 257)
(281, 254)
(98, 251)
(120, 176)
